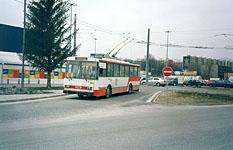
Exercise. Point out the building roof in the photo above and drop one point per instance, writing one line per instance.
(10, 58)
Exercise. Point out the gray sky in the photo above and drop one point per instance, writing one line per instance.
(192, 22)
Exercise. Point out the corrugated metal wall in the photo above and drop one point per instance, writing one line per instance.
(11, 38)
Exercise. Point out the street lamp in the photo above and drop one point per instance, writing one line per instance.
(23, 46)
(95, 44)
(71, 13)
(167, 47)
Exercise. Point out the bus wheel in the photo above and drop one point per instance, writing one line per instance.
(108, 92)
(80, 95)
(130, 89)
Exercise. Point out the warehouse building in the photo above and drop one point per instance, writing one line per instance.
(207, 67)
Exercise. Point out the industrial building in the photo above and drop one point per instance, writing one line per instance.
(206, 67)
(11, 61)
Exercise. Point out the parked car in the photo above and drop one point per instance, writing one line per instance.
(220, 83)
(157, 81)
(205, 82)
(142, 80)
(196, 83)
(172, 81)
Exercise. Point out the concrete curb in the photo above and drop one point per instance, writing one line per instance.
(154, 97)
(32, 98)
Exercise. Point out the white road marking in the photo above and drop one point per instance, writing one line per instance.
(154, 96)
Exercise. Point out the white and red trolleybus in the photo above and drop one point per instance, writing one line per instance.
(101, 77)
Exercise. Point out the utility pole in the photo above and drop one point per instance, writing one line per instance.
(95, 44)
(167, 56)
(71, 13)
(23, 46)
(75, 30)
(167, 47)
(147, 54)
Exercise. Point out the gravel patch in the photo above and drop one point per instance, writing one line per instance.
(193, 98)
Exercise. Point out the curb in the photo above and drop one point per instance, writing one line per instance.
(32, 98)
(154, 97)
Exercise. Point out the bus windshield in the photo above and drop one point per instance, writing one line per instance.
(85, 70)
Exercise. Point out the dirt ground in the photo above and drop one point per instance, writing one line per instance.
(193, 98)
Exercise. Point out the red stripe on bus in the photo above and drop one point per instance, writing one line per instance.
(119, 90)
(72, 86)
(100, 92)
(134, 79)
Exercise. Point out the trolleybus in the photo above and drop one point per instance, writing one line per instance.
(101, 77)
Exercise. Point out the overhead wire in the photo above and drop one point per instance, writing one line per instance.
(21, 2)
(113, 33)
(18, 1)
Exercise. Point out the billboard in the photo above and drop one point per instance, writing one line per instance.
(11, 38)
(186, 62)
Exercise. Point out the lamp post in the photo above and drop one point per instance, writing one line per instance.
(23, 47)
(147, 54)
(167, 56)
(167, 47)
(71, 13)
(95, 44)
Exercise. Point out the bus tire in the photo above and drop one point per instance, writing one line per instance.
(130, 89)
(108, 92)
(80, 95)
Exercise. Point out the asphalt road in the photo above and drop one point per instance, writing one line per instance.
(121, 122)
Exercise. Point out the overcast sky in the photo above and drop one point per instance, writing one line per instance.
(192, 22)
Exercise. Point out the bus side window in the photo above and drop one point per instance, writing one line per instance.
(122, 70)
(138, 71)
(126, 71)
(102, 69)
(135, 72)
(68, 68)
(116, 70)
(110, 70)
(131, 71)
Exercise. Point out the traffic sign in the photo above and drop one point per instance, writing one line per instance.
(167, 71)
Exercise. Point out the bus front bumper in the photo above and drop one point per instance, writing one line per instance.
(79, 92)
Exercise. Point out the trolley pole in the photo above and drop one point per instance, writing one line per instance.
(147, 54)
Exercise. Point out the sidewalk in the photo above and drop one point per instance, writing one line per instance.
(25, 97)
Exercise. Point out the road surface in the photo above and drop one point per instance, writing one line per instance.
(121, 122)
